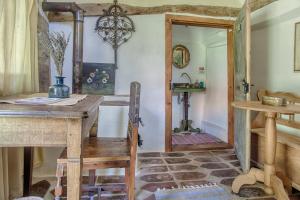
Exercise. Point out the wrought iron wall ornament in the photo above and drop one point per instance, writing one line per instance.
(115, 27)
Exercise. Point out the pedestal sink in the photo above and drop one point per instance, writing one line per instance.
(186, 88)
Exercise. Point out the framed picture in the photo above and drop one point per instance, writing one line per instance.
(297, 48)
(98, 78)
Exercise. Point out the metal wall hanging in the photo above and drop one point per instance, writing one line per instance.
(115, 27)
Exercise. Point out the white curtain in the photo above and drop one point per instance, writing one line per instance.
(18, 74)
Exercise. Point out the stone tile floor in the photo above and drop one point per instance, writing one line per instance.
(167, 170)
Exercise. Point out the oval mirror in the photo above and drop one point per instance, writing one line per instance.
(181, 56)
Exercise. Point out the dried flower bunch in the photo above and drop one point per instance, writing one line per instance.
(56, 43)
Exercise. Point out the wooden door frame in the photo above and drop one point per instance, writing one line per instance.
(204, 22)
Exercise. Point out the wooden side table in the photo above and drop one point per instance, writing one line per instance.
(51, 126)
(273, 185)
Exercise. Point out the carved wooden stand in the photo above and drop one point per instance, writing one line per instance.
(273, 185)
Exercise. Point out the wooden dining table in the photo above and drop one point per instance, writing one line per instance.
(51, 126)
(273, 185)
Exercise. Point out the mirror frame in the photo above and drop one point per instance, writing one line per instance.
(188, 56)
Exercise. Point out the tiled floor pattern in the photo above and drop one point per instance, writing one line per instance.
(167, 170)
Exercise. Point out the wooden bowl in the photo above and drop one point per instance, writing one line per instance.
(274, 101)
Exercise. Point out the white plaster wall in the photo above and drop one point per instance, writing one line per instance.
(272, 58)
(272, 53)
(141, 59)
(215, 117)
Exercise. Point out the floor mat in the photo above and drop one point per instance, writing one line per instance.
(203, 192)
(201, 138)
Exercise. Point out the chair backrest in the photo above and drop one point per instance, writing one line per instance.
(134, 103)
(133, 118)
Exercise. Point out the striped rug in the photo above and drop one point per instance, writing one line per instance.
(201, 138)
(203, 192)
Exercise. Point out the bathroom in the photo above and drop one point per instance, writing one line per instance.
(199, 112)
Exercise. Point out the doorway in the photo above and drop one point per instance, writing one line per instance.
(183, 134)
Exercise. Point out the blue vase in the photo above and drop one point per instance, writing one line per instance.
(59, 90)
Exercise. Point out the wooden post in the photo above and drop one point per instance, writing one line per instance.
(186, 110)
(270, 150)
(168, 81)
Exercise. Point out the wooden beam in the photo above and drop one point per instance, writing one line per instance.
(230, 83)
(199, 21)
(92, 9)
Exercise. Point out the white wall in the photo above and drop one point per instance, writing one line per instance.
(141, 59)
(272, 53)
(215, 117)
(273, 29)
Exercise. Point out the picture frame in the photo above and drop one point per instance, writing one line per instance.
(98, 78)
(297, 48)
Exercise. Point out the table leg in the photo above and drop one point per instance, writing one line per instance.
(74, 166)
(272, 183)
(74, 179)
(28, 164)
(270, 151)
(250, 178)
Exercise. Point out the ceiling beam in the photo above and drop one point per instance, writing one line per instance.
(97, 10)
(92, 9)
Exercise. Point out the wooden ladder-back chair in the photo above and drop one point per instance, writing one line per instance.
(104, 152)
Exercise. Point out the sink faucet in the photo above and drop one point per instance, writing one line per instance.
(188, 76)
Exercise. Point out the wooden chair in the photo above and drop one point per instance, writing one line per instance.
(103, 153)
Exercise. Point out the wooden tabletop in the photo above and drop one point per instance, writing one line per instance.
(80, 110)
(258, 106)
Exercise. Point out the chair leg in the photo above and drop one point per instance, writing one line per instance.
(127, 175)
(132, 184)
(59, 175)
(92, 180)
(99, 193)
(92, 177)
